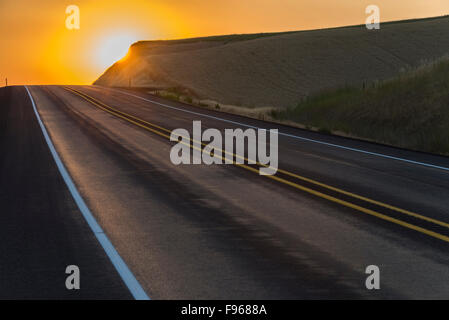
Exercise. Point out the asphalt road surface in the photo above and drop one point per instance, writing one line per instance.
(335, 207)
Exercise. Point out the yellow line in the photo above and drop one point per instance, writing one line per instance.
(122, 117)
(353, 195)
(292, 184)
(354, 206)
(381, 204)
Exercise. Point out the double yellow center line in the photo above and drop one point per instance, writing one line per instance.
(165, 133)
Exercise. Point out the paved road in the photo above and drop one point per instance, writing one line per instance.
(210, 232)
(41, 229)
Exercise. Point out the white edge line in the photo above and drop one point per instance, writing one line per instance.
(293, 136)
(125, 273)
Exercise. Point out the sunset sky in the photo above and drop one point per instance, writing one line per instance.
(37, 48)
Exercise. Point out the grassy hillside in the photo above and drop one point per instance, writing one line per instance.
(278, 70)
(410, 110)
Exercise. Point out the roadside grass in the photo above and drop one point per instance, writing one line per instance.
(176, 94)
(170, 96)
(409, 111)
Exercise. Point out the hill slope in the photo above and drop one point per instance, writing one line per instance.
(409, 111)
(279, 70)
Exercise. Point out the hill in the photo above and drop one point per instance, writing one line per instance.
(280, 69)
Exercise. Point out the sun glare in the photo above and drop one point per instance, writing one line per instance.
(114, 48)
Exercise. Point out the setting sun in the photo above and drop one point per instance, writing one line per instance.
(113, 48)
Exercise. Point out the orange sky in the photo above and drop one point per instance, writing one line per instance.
(36, 47)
